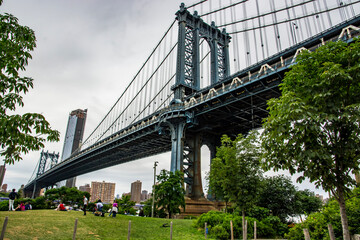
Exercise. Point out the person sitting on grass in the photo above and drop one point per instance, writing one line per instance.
(28, 206)
(20, 207)
(61, 207)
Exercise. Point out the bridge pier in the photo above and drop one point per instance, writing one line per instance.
(186, 157)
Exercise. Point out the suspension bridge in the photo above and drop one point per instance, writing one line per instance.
(210, 74)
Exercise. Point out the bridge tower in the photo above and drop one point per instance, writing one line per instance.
(44, 157)
(186, 145)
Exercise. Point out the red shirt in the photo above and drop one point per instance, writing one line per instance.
(61, 207)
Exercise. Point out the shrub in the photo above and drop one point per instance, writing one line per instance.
(212, 218)
(271, 226)
(220, 233)
(317, 223)
(4, 205)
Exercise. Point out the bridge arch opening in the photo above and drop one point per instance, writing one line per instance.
(205, 167)
(205, 63)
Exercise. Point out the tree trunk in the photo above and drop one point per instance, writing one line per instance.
(243, 225)
(169, 211)
(344, 220)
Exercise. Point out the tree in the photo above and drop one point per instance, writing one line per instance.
(306, 202)
(169, 192)
(278, 194)
(126, 205)
(235, 173)
(18, 133)
(313, 128)
(216, 177)
(66, 195)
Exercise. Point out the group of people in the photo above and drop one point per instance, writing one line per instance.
(61, 207)
(21, 206)
(98, 210)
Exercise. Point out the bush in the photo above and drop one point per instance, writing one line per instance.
(220, 233)
(317, 223)
(212, 218)
(4, 205)
(271, 226)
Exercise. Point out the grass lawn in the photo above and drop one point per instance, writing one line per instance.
(50, 224)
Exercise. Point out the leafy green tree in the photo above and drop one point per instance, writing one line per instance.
(18, 133)
(126, 205)
(169, 191)
(317, 222)
(215, 178)
(278, 194)
(66, 195)
(313, 128)
(236, 173)
(306, 202)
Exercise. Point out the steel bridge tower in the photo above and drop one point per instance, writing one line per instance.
(44, 157)
(186, 145)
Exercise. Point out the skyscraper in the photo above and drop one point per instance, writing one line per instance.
(136, 191)
(85, 188)
(102, 190)
(2, 173)
(144, 195)
(73, 138)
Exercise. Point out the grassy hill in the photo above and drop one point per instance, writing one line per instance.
(50, 224)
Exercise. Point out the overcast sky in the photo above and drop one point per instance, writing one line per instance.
(87, 52)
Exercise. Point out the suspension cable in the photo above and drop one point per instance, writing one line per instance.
(220, 9)
(171, 25)
(265, 14)
(293, 19)
(197, 4)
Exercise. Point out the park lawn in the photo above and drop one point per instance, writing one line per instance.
(50, 224)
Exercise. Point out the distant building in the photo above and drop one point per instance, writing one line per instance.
(126, 194)
(2, 173)
(102, 190)
(85, 188)
(144, 195)
(73, 137)
(4, 188)
(320, 197)
(136, 191)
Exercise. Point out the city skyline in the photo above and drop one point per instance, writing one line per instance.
(90, 50)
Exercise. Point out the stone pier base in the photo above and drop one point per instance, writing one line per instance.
(198, 207)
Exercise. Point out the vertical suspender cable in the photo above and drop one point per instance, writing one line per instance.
(346, 11)
(291, 32)
(327, 13)
(306, 20)
(276, 27)
(221, 13)
(304, 10)
(260, 30)
(235, 38)
(319, 17)
(341, 10)
(247, 45)
(256, 50)
(266, 39)
(352, 9)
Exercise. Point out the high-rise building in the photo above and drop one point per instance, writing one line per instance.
(73, 137)
(144, 195)
(85, 188)
(4, 188)
(102, 190)
(2, 173)
(136, 191)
